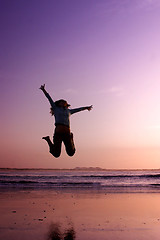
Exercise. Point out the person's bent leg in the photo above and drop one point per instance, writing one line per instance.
(50, 144)
(56, 148)
(69, 144)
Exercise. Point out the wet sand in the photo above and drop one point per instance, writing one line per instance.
(28, 215)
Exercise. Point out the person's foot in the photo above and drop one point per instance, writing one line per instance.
(46, 138)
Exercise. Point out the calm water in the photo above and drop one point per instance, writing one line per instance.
(107, 181)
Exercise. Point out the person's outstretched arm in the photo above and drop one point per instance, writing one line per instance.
(75, 110)
(42, 87)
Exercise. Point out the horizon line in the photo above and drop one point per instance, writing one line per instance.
(82, 169)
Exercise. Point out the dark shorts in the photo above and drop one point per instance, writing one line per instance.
(62, 134)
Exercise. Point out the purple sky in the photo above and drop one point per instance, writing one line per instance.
(99, 52)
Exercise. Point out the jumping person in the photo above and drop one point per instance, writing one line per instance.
(62, 131)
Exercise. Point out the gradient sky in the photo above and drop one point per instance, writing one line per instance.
(100, 52)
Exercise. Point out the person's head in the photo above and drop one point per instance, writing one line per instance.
(59, 103)
(62, 103)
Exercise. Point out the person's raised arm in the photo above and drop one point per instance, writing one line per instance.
(42, 87)
(75, 110)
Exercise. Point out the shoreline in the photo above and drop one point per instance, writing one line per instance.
(105, 191)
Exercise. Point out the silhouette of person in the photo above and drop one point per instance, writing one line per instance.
(62, 131)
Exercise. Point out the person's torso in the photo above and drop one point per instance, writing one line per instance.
(62, 116)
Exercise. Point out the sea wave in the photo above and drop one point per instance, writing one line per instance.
(107, 180)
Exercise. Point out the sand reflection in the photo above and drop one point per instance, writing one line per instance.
(57, 233)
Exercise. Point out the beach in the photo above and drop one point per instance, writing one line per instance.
(30, 214)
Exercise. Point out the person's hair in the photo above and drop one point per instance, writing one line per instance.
(51, 111)
(58, 102)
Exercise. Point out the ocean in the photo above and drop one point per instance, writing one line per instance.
(103, 181)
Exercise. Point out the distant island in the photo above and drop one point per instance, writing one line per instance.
(88, 169)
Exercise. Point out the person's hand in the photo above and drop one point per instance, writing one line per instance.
(42, 87)
(89, 108)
